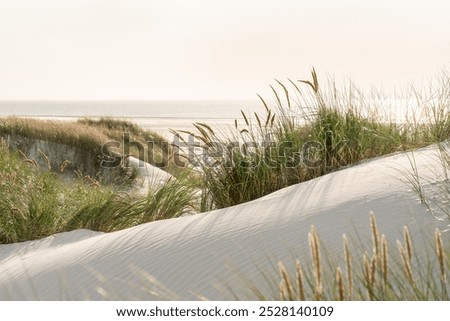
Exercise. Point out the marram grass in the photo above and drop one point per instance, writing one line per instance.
(382, 275)
(266, 151)
(36, 203)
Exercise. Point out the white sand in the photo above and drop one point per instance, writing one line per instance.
(149, 176)
(208, 254)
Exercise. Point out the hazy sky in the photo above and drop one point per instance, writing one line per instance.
(178, 49)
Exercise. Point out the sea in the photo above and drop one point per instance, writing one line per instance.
(159, 116)
(163, 116)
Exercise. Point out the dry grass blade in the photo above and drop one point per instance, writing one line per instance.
(340, 284)
(375, 235)
(348, 264)
(286, 93)
(205, 136)
(406, 263)
(286, 285)
(263, 102)
(315, 254)
(269, 116)
(314, 77)
(207, 127)
(282, 290)
(272, 120)
(276, 97)
(28, 160)
(408, 243)
(91, 181)
(373, 270)
(440, 254)
(367, 278)
(315, 83)
(45, 158)
(258, 120)
(32, 162)
(245, 118)
(22, 154)
(64, 165)
(384, 261)
(78, 173)
(297, 89)
(300, 287)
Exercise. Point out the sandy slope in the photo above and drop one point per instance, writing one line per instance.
(149, 175)
(210, 254)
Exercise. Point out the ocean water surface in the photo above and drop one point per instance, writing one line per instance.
(163, 115)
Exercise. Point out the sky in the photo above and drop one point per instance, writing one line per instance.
(207, 49)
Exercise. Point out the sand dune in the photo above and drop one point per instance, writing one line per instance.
(215, 254)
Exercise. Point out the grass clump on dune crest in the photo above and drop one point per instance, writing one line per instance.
(114, 129)
(308, 133)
